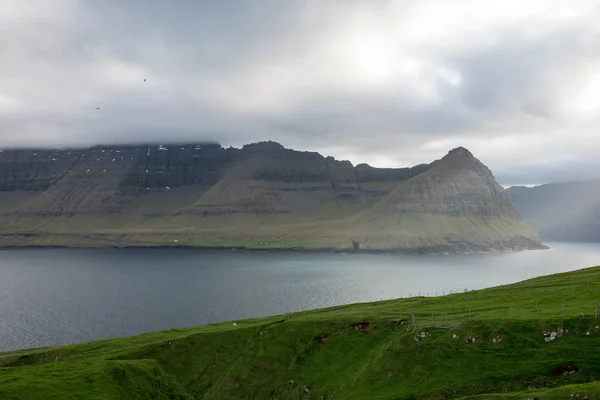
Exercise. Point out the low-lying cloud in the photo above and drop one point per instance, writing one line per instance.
(390, 83)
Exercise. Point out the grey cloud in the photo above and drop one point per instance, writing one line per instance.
(559, 172)
(192, 36)
(238, 71)
(520, 73)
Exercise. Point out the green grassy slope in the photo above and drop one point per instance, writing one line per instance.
(360, 351)
(581, 391)
(408, 232)
(142, 379)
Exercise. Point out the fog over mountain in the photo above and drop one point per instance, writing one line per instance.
(561, 211)
(389, 83)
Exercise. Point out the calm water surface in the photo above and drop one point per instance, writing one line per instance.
(54, 296)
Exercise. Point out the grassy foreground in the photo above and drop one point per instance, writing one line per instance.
(486, 344)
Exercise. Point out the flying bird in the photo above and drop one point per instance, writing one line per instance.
(144, 80)
(97, 108)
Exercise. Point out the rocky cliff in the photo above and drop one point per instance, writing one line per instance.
(259, 196)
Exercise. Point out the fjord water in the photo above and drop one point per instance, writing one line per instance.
(53, 296)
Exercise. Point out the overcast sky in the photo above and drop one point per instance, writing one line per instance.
(390, 83)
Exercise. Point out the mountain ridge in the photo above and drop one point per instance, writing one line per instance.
(204, 194)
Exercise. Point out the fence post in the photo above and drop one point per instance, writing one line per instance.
(412, 317)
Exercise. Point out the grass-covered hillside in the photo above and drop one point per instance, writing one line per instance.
(535, 339)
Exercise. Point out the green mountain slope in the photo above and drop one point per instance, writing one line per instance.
(485, 344)
(260, 196)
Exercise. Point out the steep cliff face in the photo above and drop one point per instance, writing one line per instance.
(267, 178)
(145, 166)
(260, 195)
(258, 178)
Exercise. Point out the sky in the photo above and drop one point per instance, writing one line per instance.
(389, 83)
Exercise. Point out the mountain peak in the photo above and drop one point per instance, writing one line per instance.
(461, 151)
(462, 158)
(460, 161)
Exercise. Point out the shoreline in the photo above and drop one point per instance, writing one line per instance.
(324, 250)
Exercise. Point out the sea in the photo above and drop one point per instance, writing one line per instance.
(59, 296)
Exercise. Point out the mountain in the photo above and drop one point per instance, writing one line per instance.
(260, 196)
(561, 211)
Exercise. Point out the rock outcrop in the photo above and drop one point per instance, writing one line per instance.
(262, 195)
